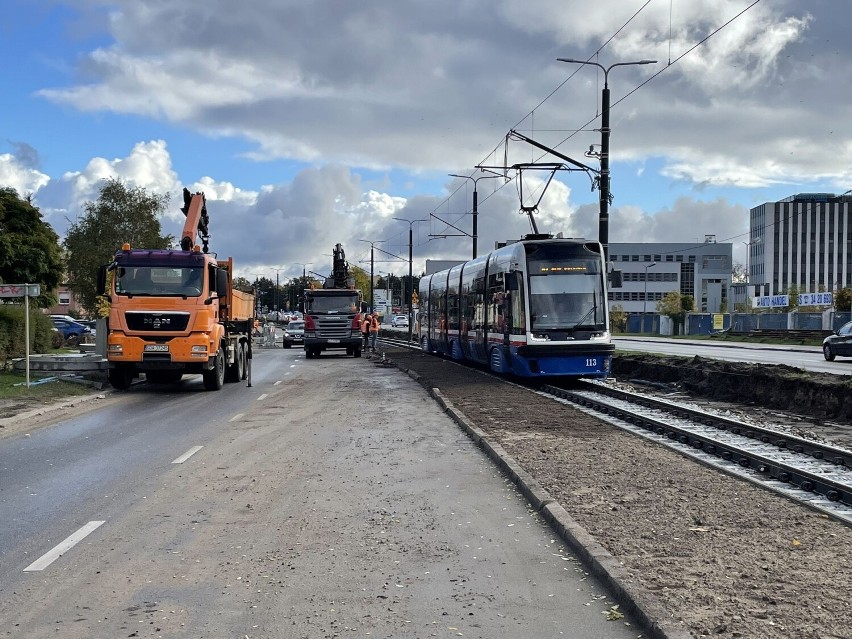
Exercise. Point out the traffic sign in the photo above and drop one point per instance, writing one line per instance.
(20, 290)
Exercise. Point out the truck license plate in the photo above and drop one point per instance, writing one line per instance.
(157, 348)
(334, 341)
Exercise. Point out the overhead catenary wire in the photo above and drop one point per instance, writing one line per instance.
(585, 126)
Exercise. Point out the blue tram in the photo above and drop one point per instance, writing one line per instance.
(533, 308)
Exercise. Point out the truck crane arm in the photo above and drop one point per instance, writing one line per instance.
(195, 210)
(340, 272)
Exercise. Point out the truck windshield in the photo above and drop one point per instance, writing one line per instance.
(332, 303)
(160, 281)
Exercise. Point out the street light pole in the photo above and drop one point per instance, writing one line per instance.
(645, 298)
(372, 250)
(603, 223)
(277, 292)
(475, 211)
(411, 224)
(304, 268)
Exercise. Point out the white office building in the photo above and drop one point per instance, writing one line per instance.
(702, 270)
(803, 240)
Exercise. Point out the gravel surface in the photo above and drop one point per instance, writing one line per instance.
(725, 558)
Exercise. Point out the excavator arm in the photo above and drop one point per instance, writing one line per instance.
(195, 210)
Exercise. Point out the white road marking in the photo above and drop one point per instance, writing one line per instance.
(60, 549)
(292, 366)
(264, 396)
(187, 454)
(236, 417)
(276, 383)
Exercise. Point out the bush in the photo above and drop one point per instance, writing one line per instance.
(12, 329)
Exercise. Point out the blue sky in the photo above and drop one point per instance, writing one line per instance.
(308, 124)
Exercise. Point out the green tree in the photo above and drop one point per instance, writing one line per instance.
(793, 298)
(29, 247)
(843, 299)
(362, 282)
(675, 306)
(120, 214)
(617, 319)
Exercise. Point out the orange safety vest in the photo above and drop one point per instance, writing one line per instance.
(374, 325)
(365, 325)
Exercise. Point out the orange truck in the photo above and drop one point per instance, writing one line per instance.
(176, 311)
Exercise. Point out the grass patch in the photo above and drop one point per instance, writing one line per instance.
(47, 391)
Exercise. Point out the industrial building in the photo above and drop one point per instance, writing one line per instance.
(650, 271)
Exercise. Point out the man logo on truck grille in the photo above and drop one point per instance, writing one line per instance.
(157, 321)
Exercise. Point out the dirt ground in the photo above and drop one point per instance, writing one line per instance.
(780, 387)
(725, 558)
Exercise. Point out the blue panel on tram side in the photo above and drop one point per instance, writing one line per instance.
(588, 366)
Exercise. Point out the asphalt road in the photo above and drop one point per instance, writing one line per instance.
(332, 498)
(805, 357)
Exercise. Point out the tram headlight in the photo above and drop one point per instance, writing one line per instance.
(600, 336)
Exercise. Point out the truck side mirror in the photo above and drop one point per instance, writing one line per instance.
(100, 284)
(222, 285)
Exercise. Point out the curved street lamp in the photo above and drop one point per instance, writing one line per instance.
(603, 224)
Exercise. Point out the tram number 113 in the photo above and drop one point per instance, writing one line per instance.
(591, 362)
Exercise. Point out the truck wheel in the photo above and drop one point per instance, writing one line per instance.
(234, 372)
(244, 358)
(214, 379)
(120, 378)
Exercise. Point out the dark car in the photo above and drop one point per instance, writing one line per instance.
(839, 343)
(71, 330)
(294, 334)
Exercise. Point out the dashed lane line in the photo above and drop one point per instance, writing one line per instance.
(187, 454)
(61, 548)
(264, 396)
(237, 417)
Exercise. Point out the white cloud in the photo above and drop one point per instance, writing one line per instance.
(24, 179)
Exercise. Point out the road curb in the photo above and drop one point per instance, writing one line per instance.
(50, 408)
(644, 606)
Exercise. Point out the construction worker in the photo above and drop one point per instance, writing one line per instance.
(365, 331)
(374, 330)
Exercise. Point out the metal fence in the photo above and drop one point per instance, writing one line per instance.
(707, 323)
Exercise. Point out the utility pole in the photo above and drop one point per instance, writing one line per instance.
(475, 211)
(603, 222)
(372, 250)
(411, 224)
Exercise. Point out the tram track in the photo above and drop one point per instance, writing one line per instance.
(815, 474)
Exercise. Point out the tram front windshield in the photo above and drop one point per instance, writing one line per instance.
(566, 295)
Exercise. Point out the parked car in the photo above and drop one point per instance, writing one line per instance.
(838, 343)
(72, 330)
(294, 334)
(399, 320)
